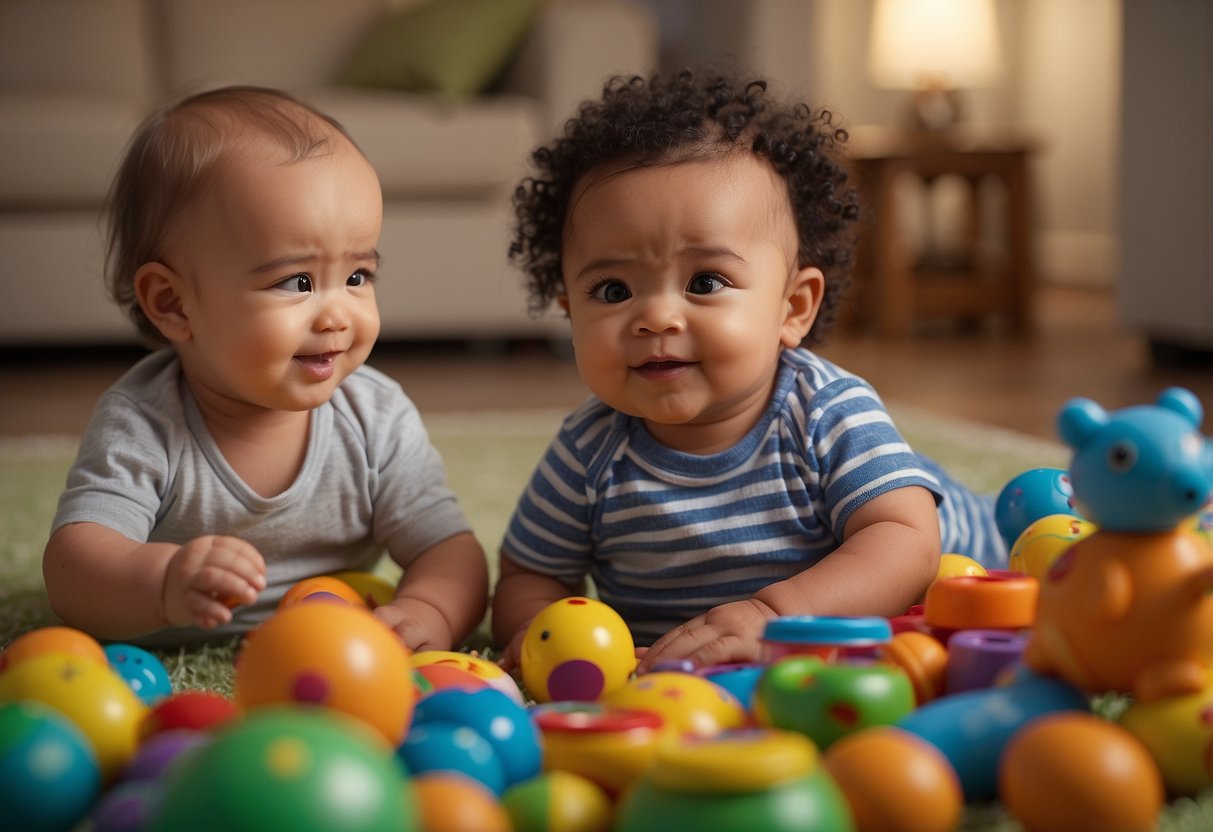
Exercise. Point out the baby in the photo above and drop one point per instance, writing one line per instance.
(256, 448)
(696, 233)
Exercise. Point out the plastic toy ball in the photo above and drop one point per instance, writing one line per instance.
(895, 782)
(321, 588)
(1029, 496)
(828, 701)
(576, 648)
(1043, 541)
(736, 782)
(1178, 733)
(48, 771)
(1138, 469)
(191, 710)
(431, 677)
(952, 565)
(688, 704)
(1077, 771)
(52, 640)
(558, 801)
(506, 725)
(158, 751)
(142, 671)
(490, 672)
(453, 803)
(448, 747)
(92, 696)
(923, 659)
(610, 747)
(128, 807)
(335, 656)
(288, 767)
(374, 590)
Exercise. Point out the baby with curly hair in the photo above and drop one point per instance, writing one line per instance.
(697, 233)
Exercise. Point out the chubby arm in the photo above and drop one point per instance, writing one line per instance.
(442, 596)
(113, 587)
(889, 555)
(520, 595)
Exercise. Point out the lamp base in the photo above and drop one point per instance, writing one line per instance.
(934, 109)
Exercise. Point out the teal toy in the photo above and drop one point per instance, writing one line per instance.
(49, 775)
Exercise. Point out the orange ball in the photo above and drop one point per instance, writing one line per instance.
(1075, 770)
(895, 781)
(923, 658)
(53, 640)
(337, 656)
(450, 802)
(324, 587)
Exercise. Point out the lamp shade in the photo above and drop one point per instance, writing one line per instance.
(943, 43)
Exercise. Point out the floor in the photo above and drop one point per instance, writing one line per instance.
(1019, 384)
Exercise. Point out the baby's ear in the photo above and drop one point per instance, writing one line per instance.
(804, 294)
(158, 291)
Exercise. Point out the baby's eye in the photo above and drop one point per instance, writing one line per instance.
(360, 278)
(611, 291)
(295, 283)
(705, 283)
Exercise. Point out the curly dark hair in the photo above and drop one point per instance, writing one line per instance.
(682, 117)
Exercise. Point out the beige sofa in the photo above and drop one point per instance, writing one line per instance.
(77, 75)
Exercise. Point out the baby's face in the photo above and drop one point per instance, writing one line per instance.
(277, 265)
(678, 279)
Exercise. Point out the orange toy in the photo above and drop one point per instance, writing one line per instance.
(1131, 612)
(321, 587)
(53, 640)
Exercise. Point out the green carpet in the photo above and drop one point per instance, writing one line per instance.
(489, 456)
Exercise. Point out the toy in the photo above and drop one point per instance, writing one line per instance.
(952, 565)
(374, 590)
(738, 678)
(973, 728)
(687, 704)
(987, 602)
(1178, 733)
(154, 754)
(610, 747)
(1077, 771)
(431, 677)
(1138, 469)
(977, 658)
(449, 747)
(505, 724)
(52, 640)
(48, 770)
(736, 782)
(338, 656)
(127, 807)
(827, 636)
(193, 710)
(288, 767)
(97, 700)
(828, 700)
(321, 588)
(1128, 612)
(576, 648)
(923, 659)
(1030, 496)
(895, 782)
(142, 671)
(558, 801)
(449, 802)
(1043, 541)
(490, 672)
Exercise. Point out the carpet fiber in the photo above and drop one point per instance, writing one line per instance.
(489, 456)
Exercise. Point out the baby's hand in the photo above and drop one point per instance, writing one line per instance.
(419, 625)
(729, 633)
(208, 576)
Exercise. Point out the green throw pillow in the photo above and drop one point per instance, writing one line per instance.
(454, 47)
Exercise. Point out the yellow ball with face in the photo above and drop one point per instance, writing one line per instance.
(1043, 541)
(576, 649)
(689, 704)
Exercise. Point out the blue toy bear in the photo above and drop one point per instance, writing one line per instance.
(1144, 468)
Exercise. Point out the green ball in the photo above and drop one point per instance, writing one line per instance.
(297, 768)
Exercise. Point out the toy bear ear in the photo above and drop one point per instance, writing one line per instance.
(1184, 402)
(1079, 420)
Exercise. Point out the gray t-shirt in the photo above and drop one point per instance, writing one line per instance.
(371, 481)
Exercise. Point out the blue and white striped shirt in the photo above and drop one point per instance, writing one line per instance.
(667, 535)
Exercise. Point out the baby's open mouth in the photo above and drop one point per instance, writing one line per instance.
(664, 368)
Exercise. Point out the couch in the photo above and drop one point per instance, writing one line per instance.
(77, 75)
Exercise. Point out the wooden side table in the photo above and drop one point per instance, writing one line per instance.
(895, 290)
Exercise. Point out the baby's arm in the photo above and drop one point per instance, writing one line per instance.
(889, 555)
(442, 596)
(520, 595)
(113, 587)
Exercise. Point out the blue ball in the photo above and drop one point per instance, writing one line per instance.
(506, 725)
(49, 775)
(446, 746)
(142, 671)
(1030, 496)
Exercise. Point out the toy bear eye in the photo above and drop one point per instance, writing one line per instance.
(1122, 456)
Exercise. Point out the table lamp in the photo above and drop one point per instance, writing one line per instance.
(935, 48)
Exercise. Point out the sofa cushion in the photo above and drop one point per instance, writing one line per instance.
(423, 148)
(453, 47)
(61, 149)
